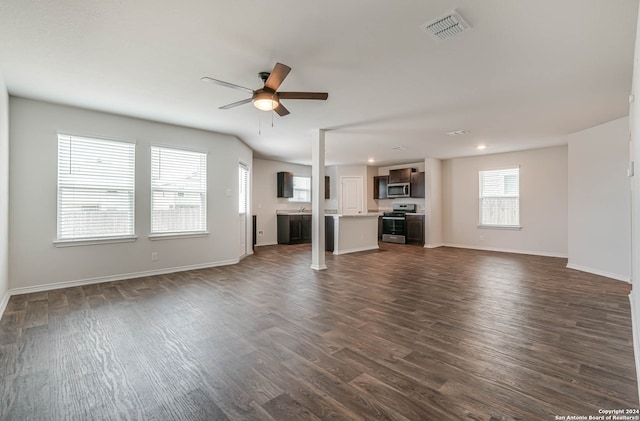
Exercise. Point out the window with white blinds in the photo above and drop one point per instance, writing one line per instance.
(243, 196)
(500, 198)
(178, 191)
(96, 188)
(301, 189)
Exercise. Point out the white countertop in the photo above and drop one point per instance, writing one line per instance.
(354, 215)
(340, 215)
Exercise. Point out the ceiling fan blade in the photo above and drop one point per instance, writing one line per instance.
(281, 110)
(227, 84)
(303, 95)
(280, 71)
(235, 104)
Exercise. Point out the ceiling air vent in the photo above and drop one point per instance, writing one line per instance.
(446, 26)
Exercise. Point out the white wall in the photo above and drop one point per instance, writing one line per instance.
(4, 195)
(331, 204)
(600, 200)
(35, 261)
(352, 171)
(634, 115)
(433, 203)
(371, 203)
(543, 202)
(265, 200)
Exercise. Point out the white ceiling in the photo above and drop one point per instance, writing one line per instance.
(525, 75)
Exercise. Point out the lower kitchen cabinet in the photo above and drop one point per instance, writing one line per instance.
(306, 228)
(294, 229)
(329, 233)
(415, 229)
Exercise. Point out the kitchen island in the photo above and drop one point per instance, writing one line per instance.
(351, 233)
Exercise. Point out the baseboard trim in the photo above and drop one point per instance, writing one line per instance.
(267, 244)
(606, 274)
(501, 250)
(635, 326)
(4, 302)
(355, 250)
(121, 277)
(433, 246)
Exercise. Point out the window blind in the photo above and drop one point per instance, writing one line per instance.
(178, 191)
(500, 197)
(243, 176)
(96, 187)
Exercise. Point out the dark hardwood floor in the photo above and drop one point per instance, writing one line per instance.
(399, 333)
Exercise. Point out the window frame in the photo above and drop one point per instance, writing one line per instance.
(160, 235)
(482, 225)
(130, 189)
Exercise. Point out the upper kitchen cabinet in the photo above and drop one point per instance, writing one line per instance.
(380, 187)
(285, 184)
(327, 187)
(417, 184)
(400, 176)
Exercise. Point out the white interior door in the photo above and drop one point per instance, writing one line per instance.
(352, 199)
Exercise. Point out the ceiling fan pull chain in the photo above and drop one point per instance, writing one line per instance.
(259, 125)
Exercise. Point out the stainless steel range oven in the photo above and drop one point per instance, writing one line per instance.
(394, 224)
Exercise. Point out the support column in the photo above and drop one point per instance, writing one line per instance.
(317, 201)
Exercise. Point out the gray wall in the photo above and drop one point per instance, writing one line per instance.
(265, 200)
(4, 195)
(36, 262)
(600, 200)
(543, 202)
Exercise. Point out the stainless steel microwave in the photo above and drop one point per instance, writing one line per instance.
(398, 190)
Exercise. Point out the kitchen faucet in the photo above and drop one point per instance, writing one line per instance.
(302, 208)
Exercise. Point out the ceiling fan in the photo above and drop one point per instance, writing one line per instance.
(267, 98)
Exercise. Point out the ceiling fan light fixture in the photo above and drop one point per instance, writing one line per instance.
(265, 101)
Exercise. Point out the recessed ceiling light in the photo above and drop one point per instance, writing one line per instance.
(457, 133)
(371, 160)
(481, 147)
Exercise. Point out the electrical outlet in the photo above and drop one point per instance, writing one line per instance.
(154, 256)
(260, 233)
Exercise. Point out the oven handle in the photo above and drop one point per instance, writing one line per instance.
(395, 218)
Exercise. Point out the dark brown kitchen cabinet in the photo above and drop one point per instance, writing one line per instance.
(327, 187)
(380, 187)
(415, 229)
(329, 233)
(402, 175)
(380, 228)
(417, 184)
(294, 229)
(306, 228)
(285, 184)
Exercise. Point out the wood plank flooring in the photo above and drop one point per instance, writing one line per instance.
(401, 333)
